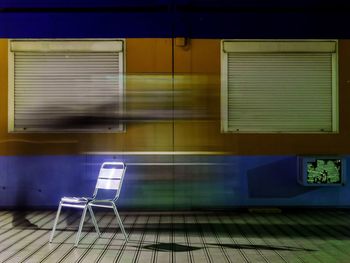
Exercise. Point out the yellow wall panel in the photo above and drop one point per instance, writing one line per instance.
(198, 56)
(3, 85)
(148, 55)
(195, 85)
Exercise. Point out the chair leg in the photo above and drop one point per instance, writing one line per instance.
(80, 226)
(55, 223)
(120, 222)
(94, 220)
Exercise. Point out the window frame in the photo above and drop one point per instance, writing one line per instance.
(86, 47)
(299, 43)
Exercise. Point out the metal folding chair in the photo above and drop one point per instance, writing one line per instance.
(110, 178)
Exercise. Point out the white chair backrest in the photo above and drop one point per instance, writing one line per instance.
(111, 176)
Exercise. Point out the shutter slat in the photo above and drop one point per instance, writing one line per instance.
(279, 92)
(53, 89)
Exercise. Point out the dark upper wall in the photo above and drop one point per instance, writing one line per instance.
(167, 18)
(198, 3)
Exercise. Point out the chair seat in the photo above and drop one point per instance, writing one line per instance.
(102, 200)
(75, 200)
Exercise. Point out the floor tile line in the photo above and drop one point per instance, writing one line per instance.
(18, 222)
(19, 232)
(200, 229)
(326, 230)
(121, 251)
(213, 231)
(105, 249)
(271, 234)
(289, 223)
(254, 230)
(91, 228)
(103, 232)
(245, 236)
(90, 247)
(189, 252)
(68, 215)
(37, 238)
(59, 245)
(234, 241)
(155, 252)
(6, 215)
(137, 254)
(341, 220)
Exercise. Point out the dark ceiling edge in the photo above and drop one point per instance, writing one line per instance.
(178, 8)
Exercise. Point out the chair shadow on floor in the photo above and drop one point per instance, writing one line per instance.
(174, 247)
(170, 247)
(263, 247)
(19, 220)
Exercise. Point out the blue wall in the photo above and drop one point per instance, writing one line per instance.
(236, 181)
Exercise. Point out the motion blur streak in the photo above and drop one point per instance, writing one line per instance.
(148, 98)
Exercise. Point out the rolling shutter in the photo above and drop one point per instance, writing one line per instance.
(280, 92)
(66, 86)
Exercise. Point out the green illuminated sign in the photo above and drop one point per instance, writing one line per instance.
(324, 171)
